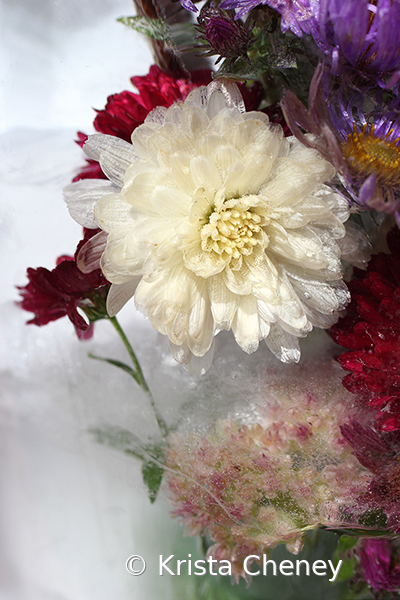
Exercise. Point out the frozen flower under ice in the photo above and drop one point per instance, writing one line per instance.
(380, 563)
(66, 291)
(216, 221)
(250, 486)
(297, 15)
(361, 34)
(371, 333)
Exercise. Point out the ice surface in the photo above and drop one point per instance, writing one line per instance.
(72, 511)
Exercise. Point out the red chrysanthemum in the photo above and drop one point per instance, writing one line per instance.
(126, 111)
(371, 331)
(379, 452)
(380, 563)
(51, 295)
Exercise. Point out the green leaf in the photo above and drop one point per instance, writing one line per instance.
(183, 36)
(152, 471)
(360, 531)
(119, 364)
(268, 52)
(373, 518)
(155, 29)
(151, 455)
(347, 569)
(242, 70)
(120, 439)
(346, 542)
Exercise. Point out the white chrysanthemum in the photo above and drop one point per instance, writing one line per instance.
(216, 221)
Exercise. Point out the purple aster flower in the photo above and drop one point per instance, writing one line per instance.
(297, 15)
(222, 34)
(380, 564)
(363, 145)
(189, 5)
(362, 34)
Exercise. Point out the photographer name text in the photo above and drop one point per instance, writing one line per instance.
(253, 565)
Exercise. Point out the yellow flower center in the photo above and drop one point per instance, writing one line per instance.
(367, 154)
(234, 229)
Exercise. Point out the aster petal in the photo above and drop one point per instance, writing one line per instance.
(367, 190)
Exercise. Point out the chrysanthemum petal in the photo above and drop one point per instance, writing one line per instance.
(169, 203)
(99, 142)
(88, 257)
(245, 325)
(82, 198)
(228, 224)
(283, 345)
(115, 155)
(196, 365)
(119, 295)
(223, 303)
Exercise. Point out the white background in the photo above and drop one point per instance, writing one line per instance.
(71, 511)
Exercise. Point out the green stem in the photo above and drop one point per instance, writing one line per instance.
(139, 377)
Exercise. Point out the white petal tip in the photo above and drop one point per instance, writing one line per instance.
(119, 295)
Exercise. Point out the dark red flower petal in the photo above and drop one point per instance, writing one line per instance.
(371, 331)
(51, 295)
(126, 110)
